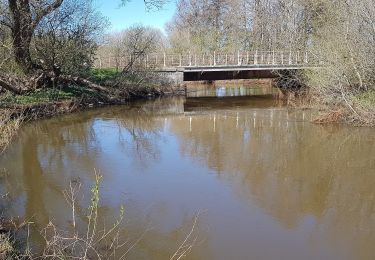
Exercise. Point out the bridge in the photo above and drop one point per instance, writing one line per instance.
(216, 65)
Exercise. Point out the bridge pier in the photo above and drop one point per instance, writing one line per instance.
(174, 77)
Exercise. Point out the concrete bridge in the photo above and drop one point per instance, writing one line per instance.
(216, 65)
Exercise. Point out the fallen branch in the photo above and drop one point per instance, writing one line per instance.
(83, 82)
(10, 85)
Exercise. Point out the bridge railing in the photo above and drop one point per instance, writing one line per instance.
(215, 59)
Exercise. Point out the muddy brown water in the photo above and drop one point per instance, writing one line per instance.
(266, 182)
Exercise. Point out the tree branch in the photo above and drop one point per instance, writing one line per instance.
(47, 10)
(84, 82)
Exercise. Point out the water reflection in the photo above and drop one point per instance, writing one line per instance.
(231, 90)
(273, 185)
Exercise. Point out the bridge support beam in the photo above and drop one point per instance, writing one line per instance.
(228, 75)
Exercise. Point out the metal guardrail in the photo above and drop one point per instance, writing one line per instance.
(160, 61)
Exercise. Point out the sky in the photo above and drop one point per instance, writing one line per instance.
(134, 12)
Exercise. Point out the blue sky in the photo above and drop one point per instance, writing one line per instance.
(134, 12)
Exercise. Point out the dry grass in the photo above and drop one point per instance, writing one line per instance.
(6, 246)
(8, 128)
(93, 242)
(348, 109)
(8, 229)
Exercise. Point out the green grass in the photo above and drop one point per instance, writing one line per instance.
(366, 99)
(44, 96)
(101, 75)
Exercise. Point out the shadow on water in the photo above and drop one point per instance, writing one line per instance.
(272, 184)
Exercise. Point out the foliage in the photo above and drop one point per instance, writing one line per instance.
(344, 39)
(68, 37)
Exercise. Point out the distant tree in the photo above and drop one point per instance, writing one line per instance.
(240, 25)
(132, 44)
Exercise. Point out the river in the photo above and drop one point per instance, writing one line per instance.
(263, 181)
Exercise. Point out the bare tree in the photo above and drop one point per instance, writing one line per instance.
(129, 47)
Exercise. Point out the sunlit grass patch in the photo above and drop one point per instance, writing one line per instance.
(366, 99)
(102, 75)
(36, 97)
(42, 96)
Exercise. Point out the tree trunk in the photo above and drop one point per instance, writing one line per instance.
(24, 22)
(22, 52)
(22, 33)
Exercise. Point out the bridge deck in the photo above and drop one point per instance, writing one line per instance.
(234, 68)
(216, 65)
(215, 60)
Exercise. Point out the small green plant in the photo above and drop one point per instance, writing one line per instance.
(92, 241)
(88, 244)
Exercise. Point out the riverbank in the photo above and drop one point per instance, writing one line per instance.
(352, 109)
(44, 103)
